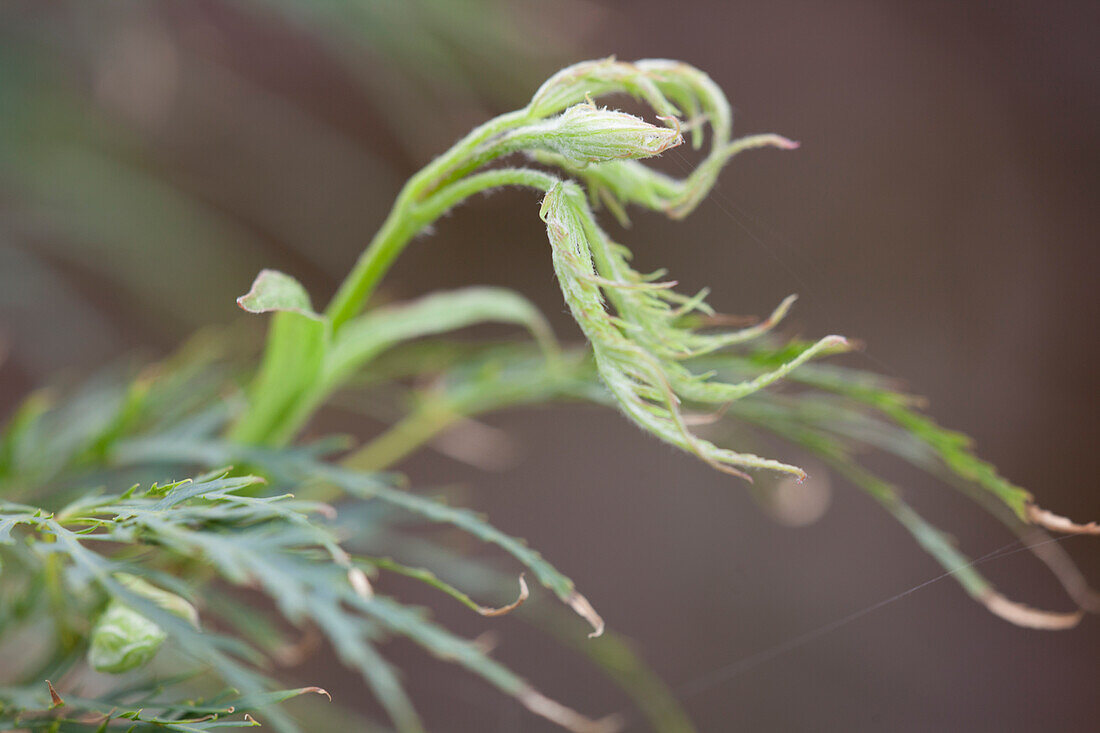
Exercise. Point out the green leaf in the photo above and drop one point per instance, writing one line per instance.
(366, 336)
(274, 291)
(953, 448)
(295, 353)
(293, 360)
(363, 338)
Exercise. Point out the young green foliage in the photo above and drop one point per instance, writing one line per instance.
(273, 543)
(644, 336)
(150, 567)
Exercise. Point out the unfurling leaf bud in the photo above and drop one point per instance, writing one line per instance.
(595, 78)
(123, 639)
(585, 133)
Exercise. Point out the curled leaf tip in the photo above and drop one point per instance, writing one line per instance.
(798, 474)
(523, 595)
(1056, 523)
(860, 345)
(55, 699)
(674, 122)
(585, 610)
(206, 718)
(780, 312)
(360, 584)
(318, 690)
(1028, 617)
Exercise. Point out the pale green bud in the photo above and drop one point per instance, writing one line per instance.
(123, 639)
(585, 133)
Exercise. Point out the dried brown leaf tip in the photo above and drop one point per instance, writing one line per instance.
(523, 594)
(318, 690)
(566, 717)
(585, 610)
(1056, 523)
(1029, 617)
(205, 718)
(55, 699)
(359, 583)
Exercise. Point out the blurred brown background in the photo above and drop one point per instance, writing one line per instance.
(154, 156)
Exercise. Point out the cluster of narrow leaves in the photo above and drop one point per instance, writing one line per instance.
(150, 567)
(840, 415)
(139, 581)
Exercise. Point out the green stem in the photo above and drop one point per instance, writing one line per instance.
(400, 227)
(458, 191)
(408, 217)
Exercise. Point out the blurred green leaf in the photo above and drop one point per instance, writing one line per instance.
(276, 291)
